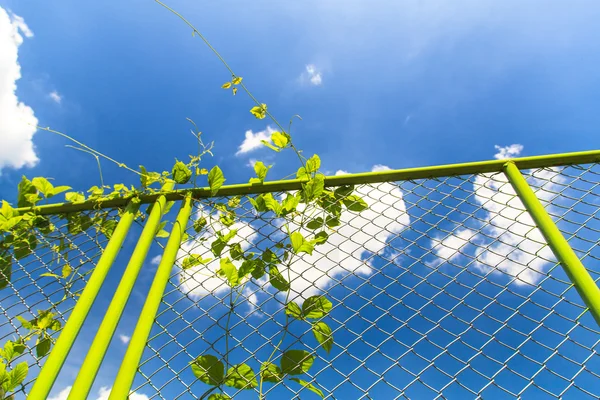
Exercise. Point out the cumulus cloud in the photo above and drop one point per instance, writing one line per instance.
(17, 120)
(124, 339)
(344, 253)
(55, 96)
(103, 394)
(253, 141)
(312, 75)
(508, 241)
(156, 259)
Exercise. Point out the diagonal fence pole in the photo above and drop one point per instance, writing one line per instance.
(130, 363)
(579, 276)
(88, 371)
(59, 353)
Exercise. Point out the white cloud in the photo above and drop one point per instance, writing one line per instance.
(156, 259)
(312, 75)
(253, 141)
(508, 151)
(103, 394)
(124, 339)
(343, 254)
(55, 96)
(17, 121)
(518, 248)
(251, 162)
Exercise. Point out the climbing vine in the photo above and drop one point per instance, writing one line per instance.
(309, 214)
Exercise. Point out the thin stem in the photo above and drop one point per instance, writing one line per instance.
(97, 160)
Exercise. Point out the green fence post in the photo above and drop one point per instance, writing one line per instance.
(581, 279)
(89, 369)
(130, 363)
(59, 353)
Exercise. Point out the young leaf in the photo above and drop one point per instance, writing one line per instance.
(193, 260)
(66, 271)
(236, 251)
(269, 145)
(301, 173)
(226, 85)
(259, 112)
(271, 203)
(43, 186)
(74, 197)
(314, 187)
(290, 203)
(16, 376)
(237, 80)
(355, 203)
(42, 347)
(26, 324)
(230, 272)
(25, 188)
(215, 179)
(219, 396)
(315, 223)
(293, 310)
(5, 271)
(208, 369)
(271, 372)
(322, 333)
(234, 90)
(296, 362)
(279, 139)
(247, 267)
(316, 307)
(258, 271)
(59, 189)
(181, 173)
(217, 247)
(313, 164)
(261, 170)
(160, 232)
(299, 244)
(241, 376)
(320, 238)
(277, 280)
(308, 386)
(12, 350)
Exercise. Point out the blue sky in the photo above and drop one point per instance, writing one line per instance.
(400, 84)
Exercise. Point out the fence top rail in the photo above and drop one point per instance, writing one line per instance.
(435, 171)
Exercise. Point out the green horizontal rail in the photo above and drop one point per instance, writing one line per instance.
(436, 171)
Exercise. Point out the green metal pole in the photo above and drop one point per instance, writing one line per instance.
(59, 353)
(88, 371)
(130, 363)
(581, 279)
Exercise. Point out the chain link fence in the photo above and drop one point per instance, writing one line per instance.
(441, 288)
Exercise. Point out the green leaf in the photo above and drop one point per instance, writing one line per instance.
(74, 197)
(296, 362)
(261, 170)
(292, 309)
(148, 178)
(355, 203)
(259, 269)
(271, 203)
(241, 376)
(5, 271)
(247, 267)
(332, 221)
(25, 188)
(322, 333)
(277, 280)
(217, 247)
(314, 187)
(181, 173)
(259, 112)
(226, 85)
(199, 224)
(290, 203)
(107, 227)
(43, 186)
(280, 139)
(271, 372)
(230, 271)
(215, 179)
(160, 232)
(42, 347)
(237, 80)
(26, 324)
(66, 271)
(193, 260)
(301, 173)
(308, 386)
(299, 244)
(12, 350)
(316, 307)
(236, 251)
(208, 369)
(59, 189)
(219, 396)
(315, 223)
(78, 223)
(313, 164)
(269, 145)
(17, 376)
(320, 238)
(45, 319)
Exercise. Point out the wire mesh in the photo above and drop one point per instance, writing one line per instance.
(442, 288)
(46, 282)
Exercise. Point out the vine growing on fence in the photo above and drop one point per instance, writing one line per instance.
(309, 216)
